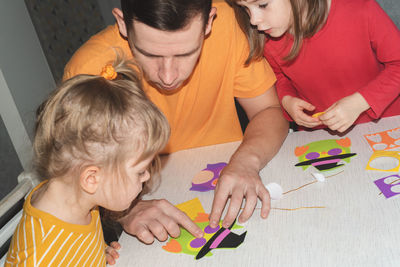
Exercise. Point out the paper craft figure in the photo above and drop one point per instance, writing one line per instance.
(386, 187)
(207, 179)
(324, 155)
(213, 238)
(386, 140)
(387, 154)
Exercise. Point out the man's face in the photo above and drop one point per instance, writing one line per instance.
(167, 58)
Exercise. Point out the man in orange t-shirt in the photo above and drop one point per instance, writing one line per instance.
(193, 54)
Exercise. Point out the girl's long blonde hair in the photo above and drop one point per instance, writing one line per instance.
(308, 16)
(91, 120)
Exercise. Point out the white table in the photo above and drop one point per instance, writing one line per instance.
(357, 227)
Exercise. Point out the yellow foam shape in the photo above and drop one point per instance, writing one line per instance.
(381, 153)
(191, 207)
(316, 115)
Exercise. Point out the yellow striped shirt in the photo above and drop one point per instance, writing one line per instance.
(41, 239)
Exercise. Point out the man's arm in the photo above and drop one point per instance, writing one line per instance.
(240, 179)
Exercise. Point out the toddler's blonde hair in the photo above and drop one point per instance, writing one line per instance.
(89, 120)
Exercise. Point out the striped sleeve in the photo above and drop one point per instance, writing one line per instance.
(39, 243)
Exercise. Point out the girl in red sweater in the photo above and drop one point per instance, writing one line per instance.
(337, 62)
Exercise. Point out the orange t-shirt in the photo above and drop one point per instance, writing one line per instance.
(203, 112)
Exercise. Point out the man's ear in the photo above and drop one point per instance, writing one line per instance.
(119, 17)
(90, 179)
(211, 17)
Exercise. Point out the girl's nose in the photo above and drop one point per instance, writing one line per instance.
(255, 17)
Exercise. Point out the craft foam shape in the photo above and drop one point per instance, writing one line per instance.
(385, 140)
(316, 115)
(223, 238)
(319, 176)
(207, 179)
(379, 154)
(386, 188)
(191, 208)
(275, 191)
(213, 238)
(324, 155)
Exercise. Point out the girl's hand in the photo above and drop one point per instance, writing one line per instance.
(111, 252)
(295, 107)
(342, 114)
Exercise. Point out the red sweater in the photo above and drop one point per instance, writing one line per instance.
(357, 50)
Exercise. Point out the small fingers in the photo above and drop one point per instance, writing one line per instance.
(109, 259)
(111, 253)
(305, 120)
(310, 125)
(115, 245)
(307, 106)
(330, 120)
(333, 124)
(308, 121)
(114, 254)
(343, 128)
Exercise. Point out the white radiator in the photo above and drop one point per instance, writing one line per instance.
(26, 181)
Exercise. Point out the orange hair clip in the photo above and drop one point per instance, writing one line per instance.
(108, 72)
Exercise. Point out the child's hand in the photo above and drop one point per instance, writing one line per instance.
(111, 252)
(295, 107)
(342, 114)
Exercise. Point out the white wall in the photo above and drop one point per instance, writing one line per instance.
(22, 61)
(26, 81)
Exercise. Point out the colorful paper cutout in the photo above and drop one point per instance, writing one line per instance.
(316, 115)
(387, 188)
(213, 238)
(223, 238)
(386, 140)
(379, 154)
(324, 155)
(207, 179)
(192, 208)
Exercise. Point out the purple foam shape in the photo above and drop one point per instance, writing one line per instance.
(208, 186)
(210, 230)
(386, 188)
(201, 187)
(198, 242)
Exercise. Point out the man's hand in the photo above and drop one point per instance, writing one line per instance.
(151, 219)
(295, 107)
(342, 114)
(111, 252)
(238, 181)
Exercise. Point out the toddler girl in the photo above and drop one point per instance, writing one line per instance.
(96, 139)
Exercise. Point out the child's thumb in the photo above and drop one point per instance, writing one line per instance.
(307, 106)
